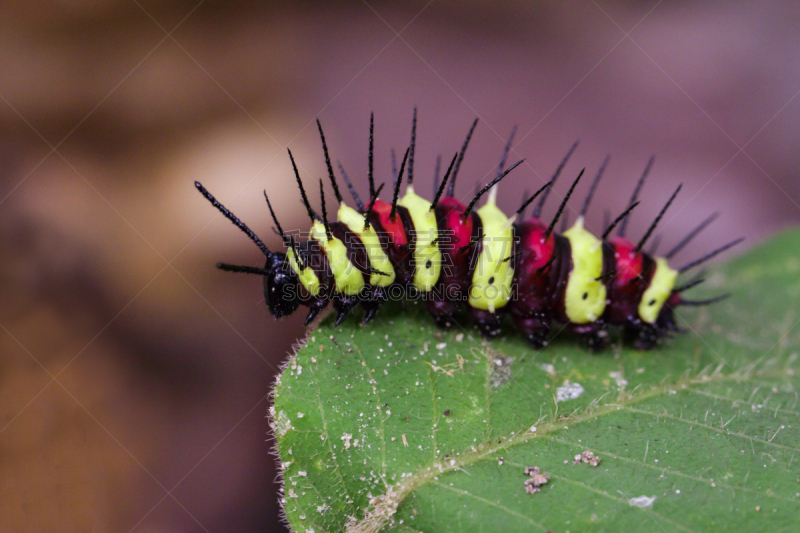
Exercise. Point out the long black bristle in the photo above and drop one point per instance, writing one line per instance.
(243, 269)
(617, 220)
(692, 234)
(328, 164)
(352, 189)
(635, 196)
(599, 175)
(275, 219)
(537, 211)
(525, 194)
(311, 213)
(606, 275)
(562, 206)
(546, 265)
(314, 214)
(394, 168)
(324, 212)
(293, 246)
(696, 303)
(451, 189)
(506, 150)
(436, 170)
(413, 142)
(371, 205)
(689, 285)
(657, 220)
(371, 146)
(230, 216)
(494, 182)
(397, 186)
(709, 255)
(532, 198)
(444, 182)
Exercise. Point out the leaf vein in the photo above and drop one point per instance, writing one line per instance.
(712, 428)
(491, 503)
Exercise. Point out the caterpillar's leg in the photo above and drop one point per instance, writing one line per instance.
(314, 308)
(343, 305)
(594, 335)
(443, 312)
(643, 335)
(666, 321)
(372, 303)
(534, 329)
(489, 324)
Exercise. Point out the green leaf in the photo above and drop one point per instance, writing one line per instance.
(397, 425)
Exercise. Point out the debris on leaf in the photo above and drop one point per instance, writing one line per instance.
(536, 479)
(501, 369)
(642, 501)
(587, 457)
(449, 369)
(569, 391)
(618, 378)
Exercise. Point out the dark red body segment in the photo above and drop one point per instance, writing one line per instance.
(393, 228)
(396, 238)
(459, 244)
(633, 272)
(535, 286)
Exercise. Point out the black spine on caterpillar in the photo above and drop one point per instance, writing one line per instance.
(459, 257)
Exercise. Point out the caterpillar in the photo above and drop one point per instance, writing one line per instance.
(457, 256)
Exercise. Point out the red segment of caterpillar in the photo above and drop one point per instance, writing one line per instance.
(459, 243)
(479, 259)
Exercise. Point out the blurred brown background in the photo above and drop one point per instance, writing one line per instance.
(134, 376)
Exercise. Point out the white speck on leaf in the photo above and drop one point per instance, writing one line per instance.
(642, 501)
(547, 367)
(282, 424)
(569, 391)
(618, 378)
(346, 438)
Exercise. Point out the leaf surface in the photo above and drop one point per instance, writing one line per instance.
(400, 426)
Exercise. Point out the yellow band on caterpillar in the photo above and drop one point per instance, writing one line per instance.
(308, 278)
(585, 298)
(377, 258)
(347, 277)
(491, 281)
(427, 256)
(659, 290)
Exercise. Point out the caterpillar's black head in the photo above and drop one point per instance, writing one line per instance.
(281, 286)
(280, 281)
